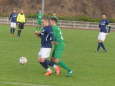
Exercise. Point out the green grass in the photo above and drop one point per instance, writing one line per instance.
(90, 68)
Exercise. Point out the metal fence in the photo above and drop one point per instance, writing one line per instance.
(62, 23)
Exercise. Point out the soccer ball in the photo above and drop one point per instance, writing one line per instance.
(23, 60)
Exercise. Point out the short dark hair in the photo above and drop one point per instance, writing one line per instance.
(54, 19)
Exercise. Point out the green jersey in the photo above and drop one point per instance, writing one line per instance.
(59, 47)
(39, 18)
(57, 34)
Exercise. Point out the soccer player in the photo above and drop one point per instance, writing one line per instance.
(104, 29)
(46, 45)
(39, 20)
(12, 19)
(58, 47)
(21, 19)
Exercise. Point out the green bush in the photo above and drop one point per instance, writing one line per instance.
(83, 18)
(112, 20)
(31, 16)
(71, 18)
(79, 18)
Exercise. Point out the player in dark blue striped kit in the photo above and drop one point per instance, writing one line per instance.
(104, 30)
(46, 36)
(12, 19)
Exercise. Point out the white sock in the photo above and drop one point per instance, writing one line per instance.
(55, 66)
(49, 70)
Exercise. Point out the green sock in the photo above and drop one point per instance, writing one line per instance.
(63, 65)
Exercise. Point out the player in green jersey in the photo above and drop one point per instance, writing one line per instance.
(58, 46)
(39, 20)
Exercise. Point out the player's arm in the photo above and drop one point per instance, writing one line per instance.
(53, 39)
(99, 25)
(38, 34)
(108, 27)
(54, 42)
(10, 17)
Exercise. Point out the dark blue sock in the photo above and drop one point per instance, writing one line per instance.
(50, 63)
(44, 64)
(11, 30)
(99, 45)
(102, 45)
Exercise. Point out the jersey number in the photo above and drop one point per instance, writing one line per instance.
(61, 35)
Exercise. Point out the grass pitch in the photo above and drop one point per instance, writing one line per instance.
(90, 68)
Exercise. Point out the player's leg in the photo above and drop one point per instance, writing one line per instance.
(102, 43)
(57, 54)
(11, 28)
(19, 32)
(14, 28)
(13, 31)
(44, 54)
(21, 26)
(45, 65)
(63, 65)
(101, 39)
(103, 46)
(55, 66)
(56, 59)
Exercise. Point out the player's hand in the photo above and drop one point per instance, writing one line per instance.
(54, 43)
(37, 33)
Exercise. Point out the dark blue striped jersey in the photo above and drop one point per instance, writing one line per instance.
(13, 17)
(103, 25)
(46, 37)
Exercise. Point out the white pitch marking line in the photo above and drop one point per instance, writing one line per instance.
(19, 83)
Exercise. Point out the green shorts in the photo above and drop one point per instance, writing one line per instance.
(58, 51)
